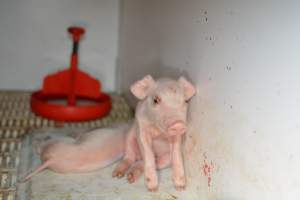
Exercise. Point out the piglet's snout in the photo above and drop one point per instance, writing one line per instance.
(177, 128)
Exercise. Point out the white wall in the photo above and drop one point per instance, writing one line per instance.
(138, 42)
(34, 41)
(244, 58)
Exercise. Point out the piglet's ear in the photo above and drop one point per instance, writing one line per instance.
(141, 88)
(189, 89)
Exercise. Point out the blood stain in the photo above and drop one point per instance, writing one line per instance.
(207, 169)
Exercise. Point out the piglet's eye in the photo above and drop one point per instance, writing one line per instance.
(156, 99)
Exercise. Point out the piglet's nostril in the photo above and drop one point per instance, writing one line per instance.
(177, 127)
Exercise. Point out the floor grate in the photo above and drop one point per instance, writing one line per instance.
(16, 120)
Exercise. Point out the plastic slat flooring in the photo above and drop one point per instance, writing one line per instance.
(16, 120)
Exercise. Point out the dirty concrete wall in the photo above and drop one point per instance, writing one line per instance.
(34, 40)
(244, 58)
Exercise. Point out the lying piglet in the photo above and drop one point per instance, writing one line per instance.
(152, 142)
(81, 152)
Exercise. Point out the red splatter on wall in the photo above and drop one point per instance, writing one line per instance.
(207, 169)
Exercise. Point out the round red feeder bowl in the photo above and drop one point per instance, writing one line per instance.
(45, 106)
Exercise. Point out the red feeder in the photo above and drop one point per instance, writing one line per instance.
(71, 95)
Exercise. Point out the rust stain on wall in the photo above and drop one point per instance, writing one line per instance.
(207, 169)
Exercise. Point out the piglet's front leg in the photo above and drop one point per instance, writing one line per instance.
(177, 163)
(151, 179)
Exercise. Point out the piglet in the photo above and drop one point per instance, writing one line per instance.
(151, 142)
(81, 152)
(154, 140)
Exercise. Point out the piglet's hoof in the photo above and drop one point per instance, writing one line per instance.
(130, 177)
(134, 175)
(117, 174)
(180, 188)
(153, 189)
(151, 185)
(179, 182)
